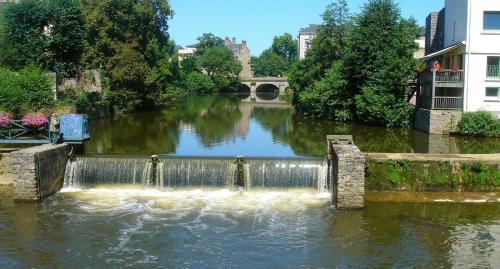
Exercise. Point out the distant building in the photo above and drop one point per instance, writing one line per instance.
(420, 53)
(306, 36)
(185, 52)
(242, 53)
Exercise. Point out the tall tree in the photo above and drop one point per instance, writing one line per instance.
(221, 66)
(285, 46)
(129, 39)
(45, 33)
(380, 74)
(208, 40)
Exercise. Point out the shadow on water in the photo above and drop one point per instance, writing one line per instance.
(222, 125)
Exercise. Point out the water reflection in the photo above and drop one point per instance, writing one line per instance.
(221, 125)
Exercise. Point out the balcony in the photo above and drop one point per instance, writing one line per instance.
(493, 72)
(441, 90)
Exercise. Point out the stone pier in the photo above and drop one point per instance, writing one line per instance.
(346, 172)
(38, 172)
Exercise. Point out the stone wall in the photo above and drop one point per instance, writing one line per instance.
(347, 175)
(437, 121)
(5, 169)
(433, 172)
(38, 171)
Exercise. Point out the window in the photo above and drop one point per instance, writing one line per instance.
(491, 20)
(493, 68)
(492, 92)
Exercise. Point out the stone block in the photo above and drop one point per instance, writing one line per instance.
(38, 172)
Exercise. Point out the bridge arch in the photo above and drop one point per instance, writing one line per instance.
(244, 91)
(267, 91)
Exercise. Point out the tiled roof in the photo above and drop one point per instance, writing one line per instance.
(311, 29)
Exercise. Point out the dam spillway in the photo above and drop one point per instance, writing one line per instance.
(173, 173)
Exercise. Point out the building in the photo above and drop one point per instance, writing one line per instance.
(420, 53)
(306, 36)
(242, 53)
(185, 52)
(463, 58)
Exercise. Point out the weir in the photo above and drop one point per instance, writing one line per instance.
(165, 173)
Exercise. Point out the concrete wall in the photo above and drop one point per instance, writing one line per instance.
(348, 175)
(437, 121)
(433, 172)
(5, 169)
(38, 171)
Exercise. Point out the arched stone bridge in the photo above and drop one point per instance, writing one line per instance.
(264, 89)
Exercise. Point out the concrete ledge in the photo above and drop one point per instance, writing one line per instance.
(38, 172)
(433, 172)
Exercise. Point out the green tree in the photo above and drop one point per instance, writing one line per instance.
(45, 33)
(270, 64)
(129, 39)
(314, 79)
(285, 46)
(221, 66)
(380, 74)
(208, 40)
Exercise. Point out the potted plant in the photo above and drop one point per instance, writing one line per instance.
(5, 119)
(34, 121)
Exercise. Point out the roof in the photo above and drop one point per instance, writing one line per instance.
(312, 29)
(445, 50)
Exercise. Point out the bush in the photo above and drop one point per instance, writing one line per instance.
(198, 83)
(28, 90)
(481, 124)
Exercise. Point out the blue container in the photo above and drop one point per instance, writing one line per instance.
(74, 128)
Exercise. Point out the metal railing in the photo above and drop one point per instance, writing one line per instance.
(17, 131)
(452, 103)
(493, 71)
(449, 76)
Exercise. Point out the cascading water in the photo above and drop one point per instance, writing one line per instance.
(189, 172)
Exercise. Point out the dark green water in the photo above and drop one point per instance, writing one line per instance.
(122, 227)
(222, 126)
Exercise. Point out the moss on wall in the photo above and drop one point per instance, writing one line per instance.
(410, 175)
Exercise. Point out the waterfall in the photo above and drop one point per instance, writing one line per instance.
(104, 171)
(165, 173)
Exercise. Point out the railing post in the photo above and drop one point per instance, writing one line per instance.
(433, 88)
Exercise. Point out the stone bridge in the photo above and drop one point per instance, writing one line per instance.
(264, 89)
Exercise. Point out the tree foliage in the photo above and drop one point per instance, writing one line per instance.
(129, 39)
(285, 46)
(372, 52)
(27, 90)
(481, 124)
(44, 33)
(270, 64)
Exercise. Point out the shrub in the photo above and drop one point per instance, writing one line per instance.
(481, 124)
(198, 83)
(28, 90)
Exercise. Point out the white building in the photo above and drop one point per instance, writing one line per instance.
(306, 36)
(186, 52)
(468, 53)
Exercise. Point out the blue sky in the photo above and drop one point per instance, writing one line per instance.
(258, 21)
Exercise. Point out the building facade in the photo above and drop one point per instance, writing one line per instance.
(463, 57)
(242, 53)
(185, 52)
(306, 36)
